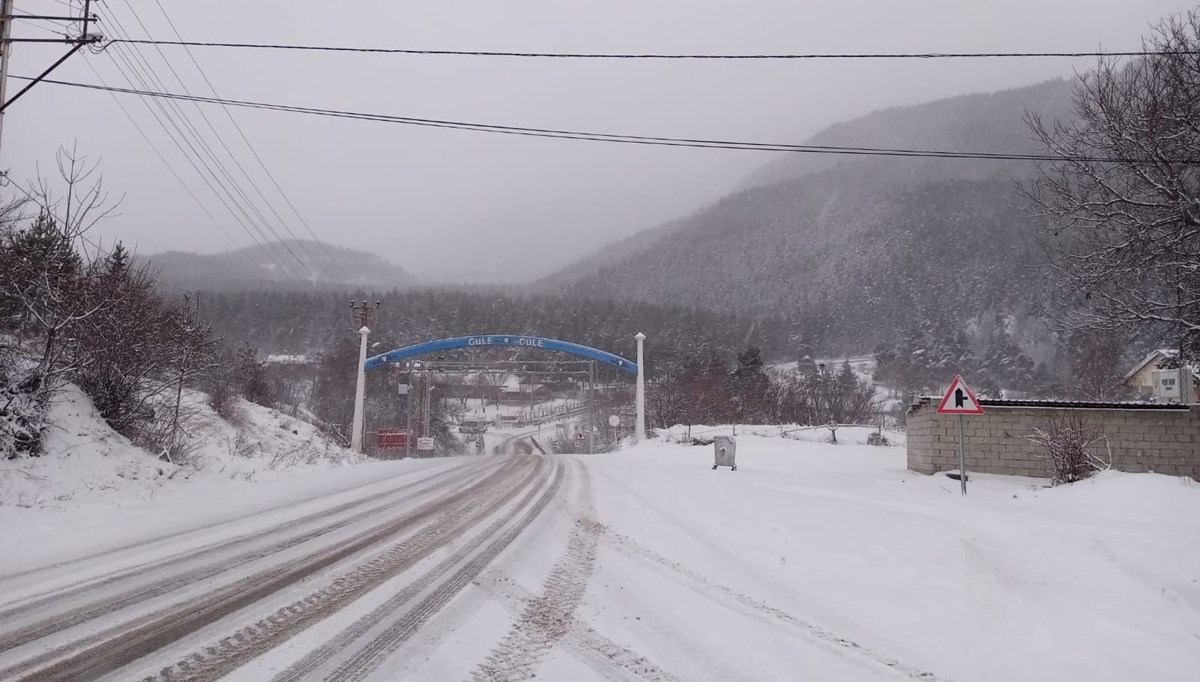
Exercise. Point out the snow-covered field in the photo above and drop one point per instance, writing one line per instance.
(811, 562)
(1096, 581)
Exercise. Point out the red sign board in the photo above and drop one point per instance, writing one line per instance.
(959, 399)
(391, 438)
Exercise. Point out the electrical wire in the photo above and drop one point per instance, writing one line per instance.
(345, 275)
(37, 26)
(647, 55)
(624, 139)
(263, 224)
(99, 247)
(164, 160)
(179, 137)
(143, 72)
(30, 21)
(304, 266)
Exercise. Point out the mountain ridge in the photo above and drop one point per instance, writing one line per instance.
(853, 250)
(284, 264)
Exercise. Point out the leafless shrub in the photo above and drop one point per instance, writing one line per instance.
(1071, 443)
(242, 445)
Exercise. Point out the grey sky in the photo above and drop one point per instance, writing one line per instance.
(469, 206)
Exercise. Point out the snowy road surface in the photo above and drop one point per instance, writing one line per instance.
(811, 562)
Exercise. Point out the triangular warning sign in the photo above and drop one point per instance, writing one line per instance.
(959, 399)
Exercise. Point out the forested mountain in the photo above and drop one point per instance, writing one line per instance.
(286, 264)
(854, 251)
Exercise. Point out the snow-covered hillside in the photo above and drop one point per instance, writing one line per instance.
(87, 462)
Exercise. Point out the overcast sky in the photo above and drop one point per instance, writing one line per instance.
(456, 205)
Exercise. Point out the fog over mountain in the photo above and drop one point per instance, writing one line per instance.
(876, 242)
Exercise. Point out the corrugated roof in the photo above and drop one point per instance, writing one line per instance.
(1072, 404)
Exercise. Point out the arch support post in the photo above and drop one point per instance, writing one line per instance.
(360, 391)
(640, 427)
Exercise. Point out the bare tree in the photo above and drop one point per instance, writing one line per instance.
(1123, 202)
(44, 296)
(818, 398)
(1097, 361)
(666, 402)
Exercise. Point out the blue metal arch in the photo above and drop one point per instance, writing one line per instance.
(489, 340)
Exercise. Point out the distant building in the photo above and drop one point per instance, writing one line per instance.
(1141, 377)
(470, 391)
(519, 392)
(286, 359)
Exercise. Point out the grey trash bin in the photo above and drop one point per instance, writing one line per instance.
(724, 449)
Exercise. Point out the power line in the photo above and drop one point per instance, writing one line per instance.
(144, 72)
(34, 21)
(650, 55)
(164, 117)
(257, 157)
(304, 266)
(699, 143)
(264, 223)
(99, 247)
(166, 163)
(43, 29)
(167, 121)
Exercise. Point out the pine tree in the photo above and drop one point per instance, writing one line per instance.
(750, 386)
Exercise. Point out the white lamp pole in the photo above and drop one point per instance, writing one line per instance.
(640, 429)
(360, 391)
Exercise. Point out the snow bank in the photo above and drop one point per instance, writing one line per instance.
(813, 434)
(86, 462)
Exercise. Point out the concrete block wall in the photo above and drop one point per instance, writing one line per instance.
(1162, 441)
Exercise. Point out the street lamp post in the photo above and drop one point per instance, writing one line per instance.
(640, 426)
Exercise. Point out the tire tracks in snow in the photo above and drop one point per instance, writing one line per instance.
(187, 531)
(144, 591)
(548, 617)
(708, 588)
(112, 649)
(216, 660)
(613, 660)
(501, 533)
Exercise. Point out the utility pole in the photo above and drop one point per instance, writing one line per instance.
(592, 409)
(7, 42)
(363, 314)
(426, 408)
(408, 408)
(6, 13)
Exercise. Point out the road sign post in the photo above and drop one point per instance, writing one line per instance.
(960, 400)
(962, 459)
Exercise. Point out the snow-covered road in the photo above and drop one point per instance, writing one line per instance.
(812, 561)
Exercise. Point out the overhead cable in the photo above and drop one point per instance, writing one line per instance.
(699, 143)
(648, 55)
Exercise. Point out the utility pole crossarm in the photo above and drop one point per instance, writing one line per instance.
(7, 41)
(38, 17)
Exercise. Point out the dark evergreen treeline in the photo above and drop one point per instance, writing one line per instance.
(311, 322)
